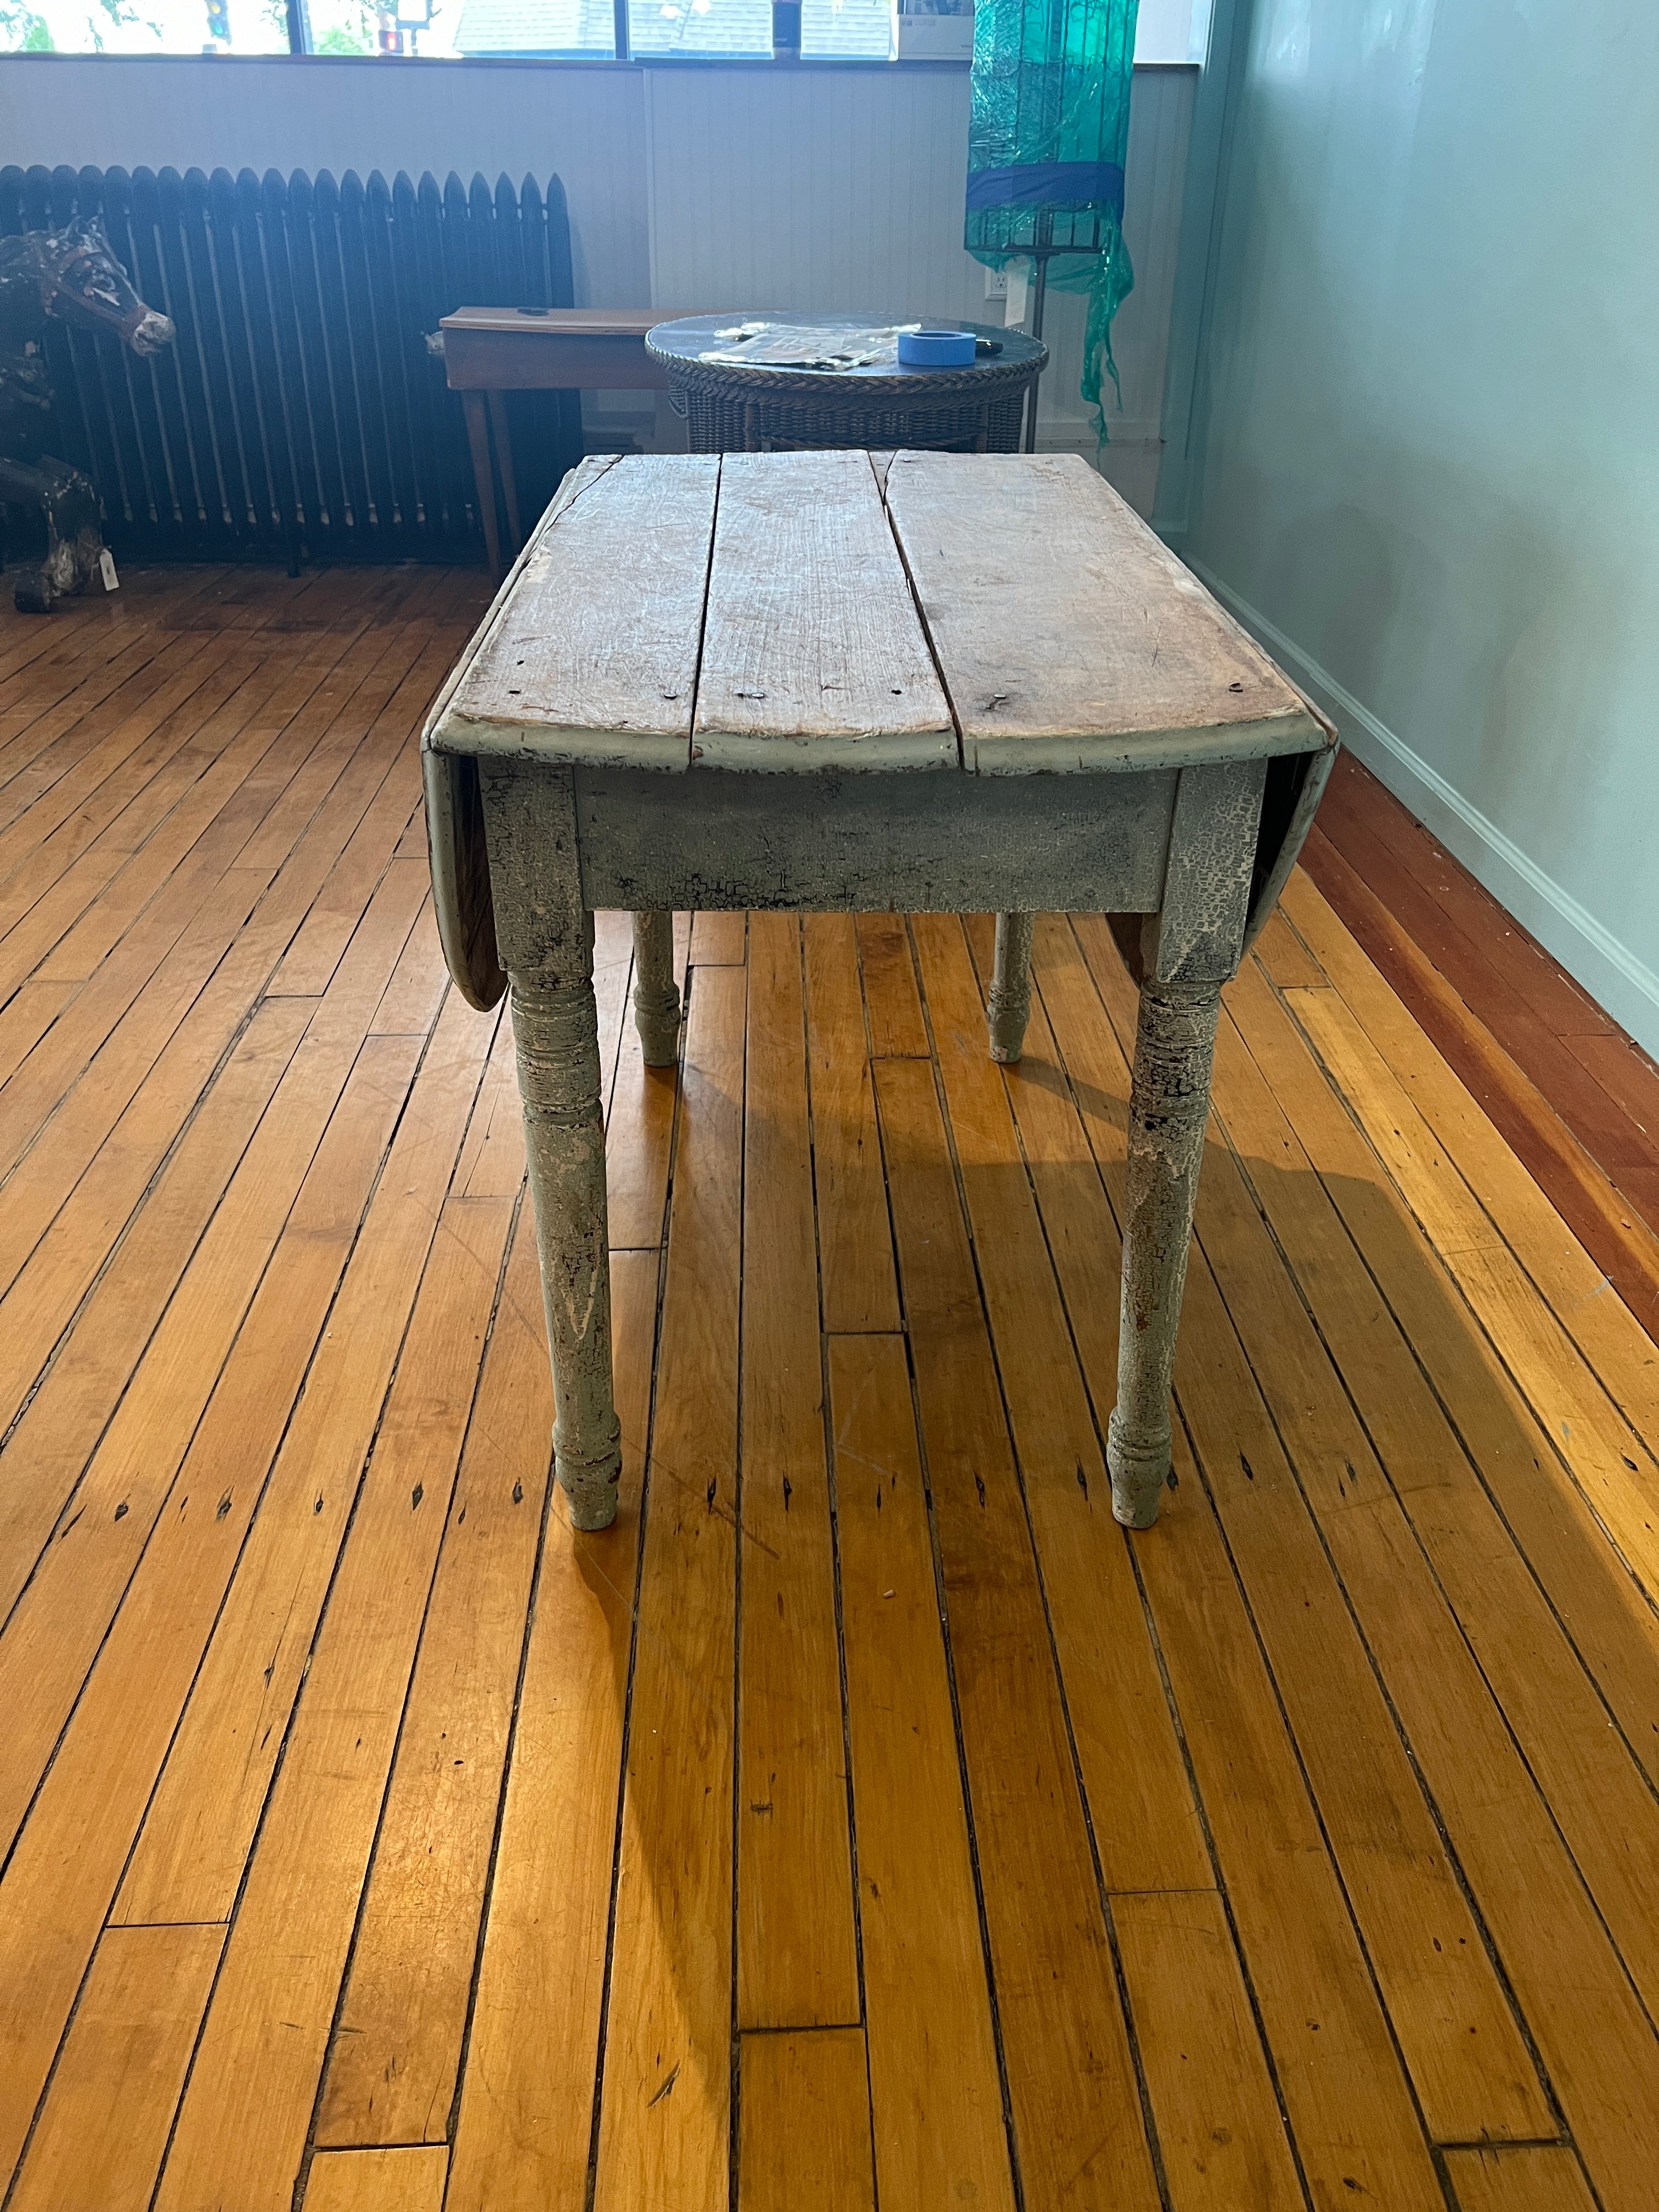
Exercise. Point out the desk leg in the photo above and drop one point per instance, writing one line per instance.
(1169, 1108)
(555, 1028)
(1009, 1007)
(504, 463)
(656, 998)
(483, 482)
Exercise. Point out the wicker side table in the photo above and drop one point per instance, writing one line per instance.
(734, 405)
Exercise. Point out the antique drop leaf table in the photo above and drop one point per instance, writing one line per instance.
(814, 681)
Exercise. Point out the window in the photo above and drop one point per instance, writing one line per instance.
(847, 30)
(142, 26)
(728, 27)
(1172, 31)
(545, 30)
(569, 30)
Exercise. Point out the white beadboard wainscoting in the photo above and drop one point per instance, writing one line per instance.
(689, 187)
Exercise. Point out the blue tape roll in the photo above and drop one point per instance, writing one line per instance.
(936, 349)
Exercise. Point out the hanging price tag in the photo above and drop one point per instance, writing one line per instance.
(106, 570)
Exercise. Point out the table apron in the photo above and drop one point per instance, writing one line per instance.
(548, 361)
(916, 843)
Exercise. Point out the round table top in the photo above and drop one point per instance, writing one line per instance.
(833, 349)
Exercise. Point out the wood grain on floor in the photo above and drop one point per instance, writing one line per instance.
(864, 1819)
(1577, 1098)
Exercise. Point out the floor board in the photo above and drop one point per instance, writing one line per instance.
(1577, 1098)
(865, 1818)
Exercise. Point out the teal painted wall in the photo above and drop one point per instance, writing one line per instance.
(1425, 440)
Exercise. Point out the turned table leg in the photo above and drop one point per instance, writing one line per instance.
(1010, 1006)
(1169, 1108)
(656, 999)
(556, 1032)
(1186, 952)
(546, 940)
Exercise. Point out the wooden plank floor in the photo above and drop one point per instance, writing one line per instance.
(864, 1819)
(1575, 1097)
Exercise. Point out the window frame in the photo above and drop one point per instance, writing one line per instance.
(622, 51)
(621, 56)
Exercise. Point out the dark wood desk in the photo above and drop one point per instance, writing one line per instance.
(491, 351)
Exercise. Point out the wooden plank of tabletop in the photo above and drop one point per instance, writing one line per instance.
(560, 673)
(803, 2143)
(1068, 636)
(813, 654)
(557, 322)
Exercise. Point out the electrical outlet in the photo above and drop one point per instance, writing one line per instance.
(996, 283)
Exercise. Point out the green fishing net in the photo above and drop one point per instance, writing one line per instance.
(1046, 145)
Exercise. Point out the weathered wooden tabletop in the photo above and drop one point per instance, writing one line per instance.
(1000, 613)
(835, 679)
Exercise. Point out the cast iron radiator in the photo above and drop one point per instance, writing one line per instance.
(299, 414)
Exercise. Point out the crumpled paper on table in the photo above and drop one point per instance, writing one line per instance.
(843, 348)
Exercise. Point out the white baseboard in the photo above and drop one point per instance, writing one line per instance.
(1612, 975)
(1068, 434)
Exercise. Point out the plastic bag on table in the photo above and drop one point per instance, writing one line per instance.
(1046, 140)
